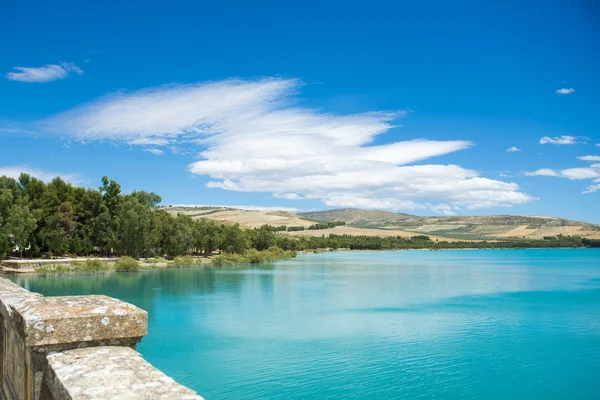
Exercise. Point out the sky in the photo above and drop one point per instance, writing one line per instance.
(428, 108)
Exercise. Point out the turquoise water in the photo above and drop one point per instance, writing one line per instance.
(500, 324)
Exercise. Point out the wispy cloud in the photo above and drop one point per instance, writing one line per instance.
(156, 152)
(582, 173)
(47, 73)
(589, 158)
(512, 149)
(560, 140)
(254, 137)
(542, 172)
(287, 196)
(13, 171)
(149, 142)
(565, 91)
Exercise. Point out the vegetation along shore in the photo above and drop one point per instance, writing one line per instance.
(46, 220)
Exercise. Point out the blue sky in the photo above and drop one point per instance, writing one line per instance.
(408, 106)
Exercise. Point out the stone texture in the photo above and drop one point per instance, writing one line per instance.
(115, 373)
(73, 319)
(34, 329)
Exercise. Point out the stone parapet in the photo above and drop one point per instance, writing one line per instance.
(109, 373)
(35, 329)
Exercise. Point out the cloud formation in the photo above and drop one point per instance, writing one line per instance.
(13, 171)
(156, 152)
(565, 91)
(581, 173)
(589, 158)
(542, 172)
(512, 149)
(47, 73)
(254, 137)
(560, 140)
(287, 196)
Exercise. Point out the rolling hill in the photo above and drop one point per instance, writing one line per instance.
(459, 227)
(387, 223)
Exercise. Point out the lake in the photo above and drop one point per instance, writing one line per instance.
(516, 324)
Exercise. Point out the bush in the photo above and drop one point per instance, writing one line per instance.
(94, 266)
(185, 261)
(229, 259)
(253, 256)
(75, 266)
(127, 264)
(53, 269)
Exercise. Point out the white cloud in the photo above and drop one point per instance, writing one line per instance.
(512, 149)
(595, 187)
(565, 91)
(255, 138)
(156, 152)
(591, 172)
(558, 140)
(580, 173)
(569, 173)
(287, 196)
(149, 142)
(589, 158)
(597, 144)
(543, 172)
(47, 73)
(13, 171)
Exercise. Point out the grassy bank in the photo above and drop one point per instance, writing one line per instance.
(129, 264)
(253, 256)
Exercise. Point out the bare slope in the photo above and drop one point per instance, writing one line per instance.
(465, 227)
(386, 223)
(246, 218)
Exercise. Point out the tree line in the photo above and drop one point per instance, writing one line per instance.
(56, 218)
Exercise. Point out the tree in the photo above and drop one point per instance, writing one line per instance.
(150, 199)
(235, 240)
(6, 200)
(263, 238)
(111, 194)
(136, 226)
(20, 224)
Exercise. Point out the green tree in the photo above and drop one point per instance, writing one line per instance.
(21, 222)
(136, 228)
(235, 240)
(263, 238)
(150, 199)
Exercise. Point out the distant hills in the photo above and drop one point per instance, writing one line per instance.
(387, 223)
(459, 227)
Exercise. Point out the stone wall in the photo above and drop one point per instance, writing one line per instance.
(75, 347)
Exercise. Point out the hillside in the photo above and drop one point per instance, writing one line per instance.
(353, 215)
(459, 227)
(246, 218)
(387, 223)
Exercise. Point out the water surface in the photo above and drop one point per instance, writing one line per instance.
(517, 324)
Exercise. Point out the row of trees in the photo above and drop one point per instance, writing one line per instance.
(422, 242)
(39, 219)
(314, 227)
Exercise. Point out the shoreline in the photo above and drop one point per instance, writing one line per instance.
(28, 266)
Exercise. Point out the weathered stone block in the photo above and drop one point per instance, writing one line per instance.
(118, 373)
(34, 329)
